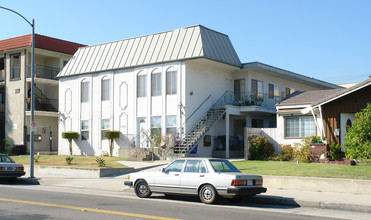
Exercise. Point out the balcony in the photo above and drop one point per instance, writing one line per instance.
(249, 99)
(44, 72)
(44, 104)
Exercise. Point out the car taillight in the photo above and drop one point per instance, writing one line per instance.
(259, 182)
(238, 182)
(1, 168)
(20, 168)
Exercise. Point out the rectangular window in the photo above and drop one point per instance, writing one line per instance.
(288, 91)
(257, 88)
(105, 89)
(156, 84)
(299, 127)
(105, 126)
(171, 124)
(274, 91)
(84, 91)
(156, 125)
(171, 82)
(257, 123)
(85, 130)
(15, 65)
(141, 88)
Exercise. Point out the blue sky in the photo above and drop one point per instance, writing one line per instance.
(326, 39)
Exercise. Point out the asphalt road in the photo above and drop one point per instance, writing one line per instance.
(32, 202)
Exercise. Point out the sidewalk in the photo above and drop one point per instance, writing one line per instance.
(279, 197)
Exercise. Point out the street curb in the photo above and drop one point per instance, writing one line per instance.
(291, 202)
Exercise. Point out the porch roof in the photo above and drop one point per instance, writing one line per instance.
(319, 97)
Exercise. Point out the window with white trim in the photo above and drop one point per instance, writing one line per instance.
(105, 126)
(299, 127)
(84, 91)
(156, 125)
(156, 83)
(141, 85)
(105, 93)
(170, 124)
(84, 130)
(171, 87)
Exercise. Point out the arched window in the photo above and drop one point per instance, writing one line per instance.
(105, 89)
(156, 83)
(84, 91)
(141, 84)
(349, 124)
(171, 79)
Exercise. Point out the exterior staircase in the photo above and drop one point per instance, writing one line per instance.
(189, 142)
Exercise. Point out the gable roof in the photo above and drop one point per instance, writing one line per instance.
(42, 42)
(320, 97)
(175, 45)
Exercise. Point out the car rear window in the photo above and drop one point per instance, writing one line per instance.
(223, 166)
(6, 159)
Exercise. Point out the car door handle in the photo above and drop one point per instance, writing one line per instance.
(202, 175)
(177, 174)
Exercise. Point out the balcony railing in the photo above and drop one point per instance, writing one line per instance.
(248, 99)
(44, 72)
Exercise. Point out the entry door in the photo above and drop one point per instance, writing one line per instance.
(345, 119)
(140, 129)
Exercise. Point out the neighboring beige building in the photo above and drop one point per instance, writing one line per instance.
(51, 55)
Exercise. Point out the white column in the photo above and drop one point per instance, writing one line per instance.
(226, 134)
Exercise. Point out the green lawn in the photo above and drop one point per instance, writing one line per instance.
(78, 161)
(281, 168)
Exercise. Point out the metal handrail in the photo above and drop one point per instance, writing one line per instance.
(248, 99)
(45, 72)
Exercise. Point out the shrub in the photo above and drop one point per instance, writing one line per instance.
(70, 135)
(101, 162)
(69, 159)
(301, 152)
(260, 148)
(335, 150)
(287, 152)
(111, 135)
(358, 137)
(7, 148)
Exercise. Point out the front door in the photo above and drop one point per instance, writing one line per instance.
(346, 119)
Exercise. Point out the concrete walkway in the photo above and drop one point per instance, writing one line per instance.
(292, 198)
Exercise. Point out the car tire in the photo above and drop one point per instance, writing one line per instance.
(208, 194)
(142, 189)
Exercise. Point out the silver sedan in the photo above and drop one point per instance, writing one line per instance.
(207, 178)
(9, 168)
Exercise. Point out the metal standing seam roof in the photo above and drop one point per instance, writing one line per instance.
(175, 45)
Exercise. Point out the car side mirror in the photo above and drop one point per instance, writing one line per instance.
(163, 170)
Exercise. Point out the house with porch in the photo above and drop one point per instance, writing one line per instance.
(325, 113)
(51, 55)
(186, 85)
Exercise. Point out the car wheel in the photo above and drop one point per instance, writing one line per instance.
(142, 189)
(208, 194)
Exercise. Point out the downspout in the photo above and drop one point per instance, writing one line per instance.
(315, 120)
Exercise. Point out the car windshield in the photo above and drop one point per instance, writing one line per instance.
(223, 166)
(6, 159)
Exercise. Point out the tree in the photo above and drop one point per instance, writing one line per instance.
(70, 135)
(111, 135)
(358, 137)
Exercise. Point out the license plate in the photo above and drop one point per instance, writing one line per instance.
(9, 168)
(249, 182)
